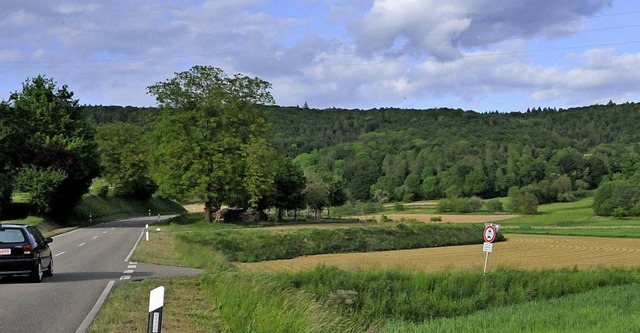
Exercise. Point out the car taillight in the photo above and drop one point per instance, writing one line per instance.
(27, 248)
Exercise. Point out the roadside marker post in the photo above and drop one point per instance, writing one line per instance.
(156, 307)
(489, 235)
(146, 232)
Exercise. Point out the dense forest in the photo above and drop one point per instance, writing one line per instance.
(404, 155)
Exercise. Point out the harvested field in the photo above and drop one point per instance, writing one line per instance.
(519, 252)
(445, 218)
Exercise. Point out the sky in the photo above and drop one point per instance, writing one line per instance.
(481, 55)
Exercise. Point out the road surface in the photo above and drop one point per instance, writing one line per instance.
(89, 262)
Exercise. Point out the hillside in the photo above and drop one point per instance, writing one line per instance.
(398, 154)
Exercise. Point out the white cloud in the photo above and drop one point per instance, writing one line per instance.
(445, 29)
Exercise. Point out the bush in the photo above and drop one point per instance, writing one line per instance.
(618, 196)
(459, 205)
(494, 205)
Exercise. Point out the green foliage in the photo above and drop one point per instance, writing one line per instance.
(618, 198)
(42, 185)
(250, 245)
(459, 205)
(201, 141)
(522, 202)
(99, 187)
(123, 158)
(59, 139)
(494, 206)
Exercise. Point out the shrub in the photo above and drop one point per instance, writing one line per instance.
(494, 205)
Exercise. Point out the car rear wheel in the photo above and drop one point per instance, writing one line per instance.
(36, 274)
(49, 271)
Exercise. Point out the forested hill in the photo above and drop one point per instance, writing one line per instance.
(419, 154)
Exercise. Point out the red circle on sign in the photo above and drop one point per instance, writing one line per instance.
(489, 233)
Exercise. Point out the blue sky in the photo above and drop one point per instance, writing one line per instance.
(482, 55)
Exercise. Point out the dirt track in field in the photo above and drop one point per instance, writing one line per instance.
(519, 251)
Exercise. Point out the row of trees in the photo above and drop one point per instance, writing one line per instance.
(205, 142)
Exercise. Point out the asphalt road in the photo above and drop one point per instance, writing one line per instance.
(88, 263)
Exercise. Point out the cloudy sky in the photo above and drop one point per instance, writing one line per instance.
(482, 55)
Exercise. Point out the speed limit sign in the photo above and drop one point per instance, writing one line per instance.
(489, 233)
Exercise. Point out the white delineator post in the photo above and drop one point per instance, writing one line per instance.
(156, 306)
(146, 232)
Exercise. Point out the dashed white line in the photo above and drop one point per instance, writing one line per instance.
(83, 244)
(128, 271)
(104, 232)
(95, 237)
(59, 254)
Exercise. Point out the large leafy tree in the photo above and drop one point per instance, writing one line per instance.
(13, 134)
(123, 159)
(60, 141)
(201, 140)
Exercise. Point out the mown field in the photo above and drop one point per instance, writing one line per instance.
(536, 283)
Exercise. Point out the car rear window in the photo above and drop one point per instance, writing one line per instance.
(11, 236)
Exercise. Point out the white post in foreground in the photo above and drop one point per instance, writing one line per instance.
(146, 232)
(156, 305)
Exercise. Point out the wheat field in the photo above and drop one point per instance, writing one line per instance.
(519, 252)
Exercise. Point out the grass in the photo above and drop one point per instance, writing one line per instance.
(385, 300)
(609, 309)
(254, 245)
(184, 311)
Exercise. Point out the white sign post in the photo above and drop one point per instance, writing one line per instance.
(156, 306)
(489, 235)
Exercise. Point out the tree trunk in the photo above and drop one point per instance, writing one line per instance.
(279, 214)
(207, 211)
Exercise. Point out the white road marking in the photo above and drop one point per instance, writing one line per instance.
(95, 237)
(134, 246)
(104, 232)
(59, 254)
(125, 277)
(128, 271)
(82, 244)
(131, 266)
(94, 311)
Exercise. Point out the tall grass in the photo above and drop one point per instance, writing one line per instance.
(609, 309)
(417, 297)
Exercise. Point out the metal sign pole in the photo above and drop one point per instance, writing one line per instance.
(486, 261)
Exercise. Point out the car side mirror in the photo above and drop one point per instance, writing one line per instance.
(48, 240)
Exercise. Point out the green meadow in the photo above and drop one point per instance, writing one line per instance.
(328, 299)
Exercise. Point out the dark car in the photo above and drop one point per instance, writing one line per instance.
(24, 251)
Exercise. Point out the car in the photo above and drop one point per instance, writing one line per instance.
(25, 251)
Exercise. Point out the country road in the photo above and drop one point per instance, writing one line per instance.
(89, 262)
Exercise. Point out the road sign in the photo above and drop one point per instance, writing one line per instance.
(487, 247)
(489, 233)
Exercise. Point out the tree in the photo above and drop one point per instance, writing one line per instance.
(124, 162)
(201, 139)
(60, 139)
(290, 184)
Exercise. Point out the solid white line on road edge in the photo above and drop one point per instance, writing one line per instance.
(94, 311)
(134, 247)
(59, 254)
